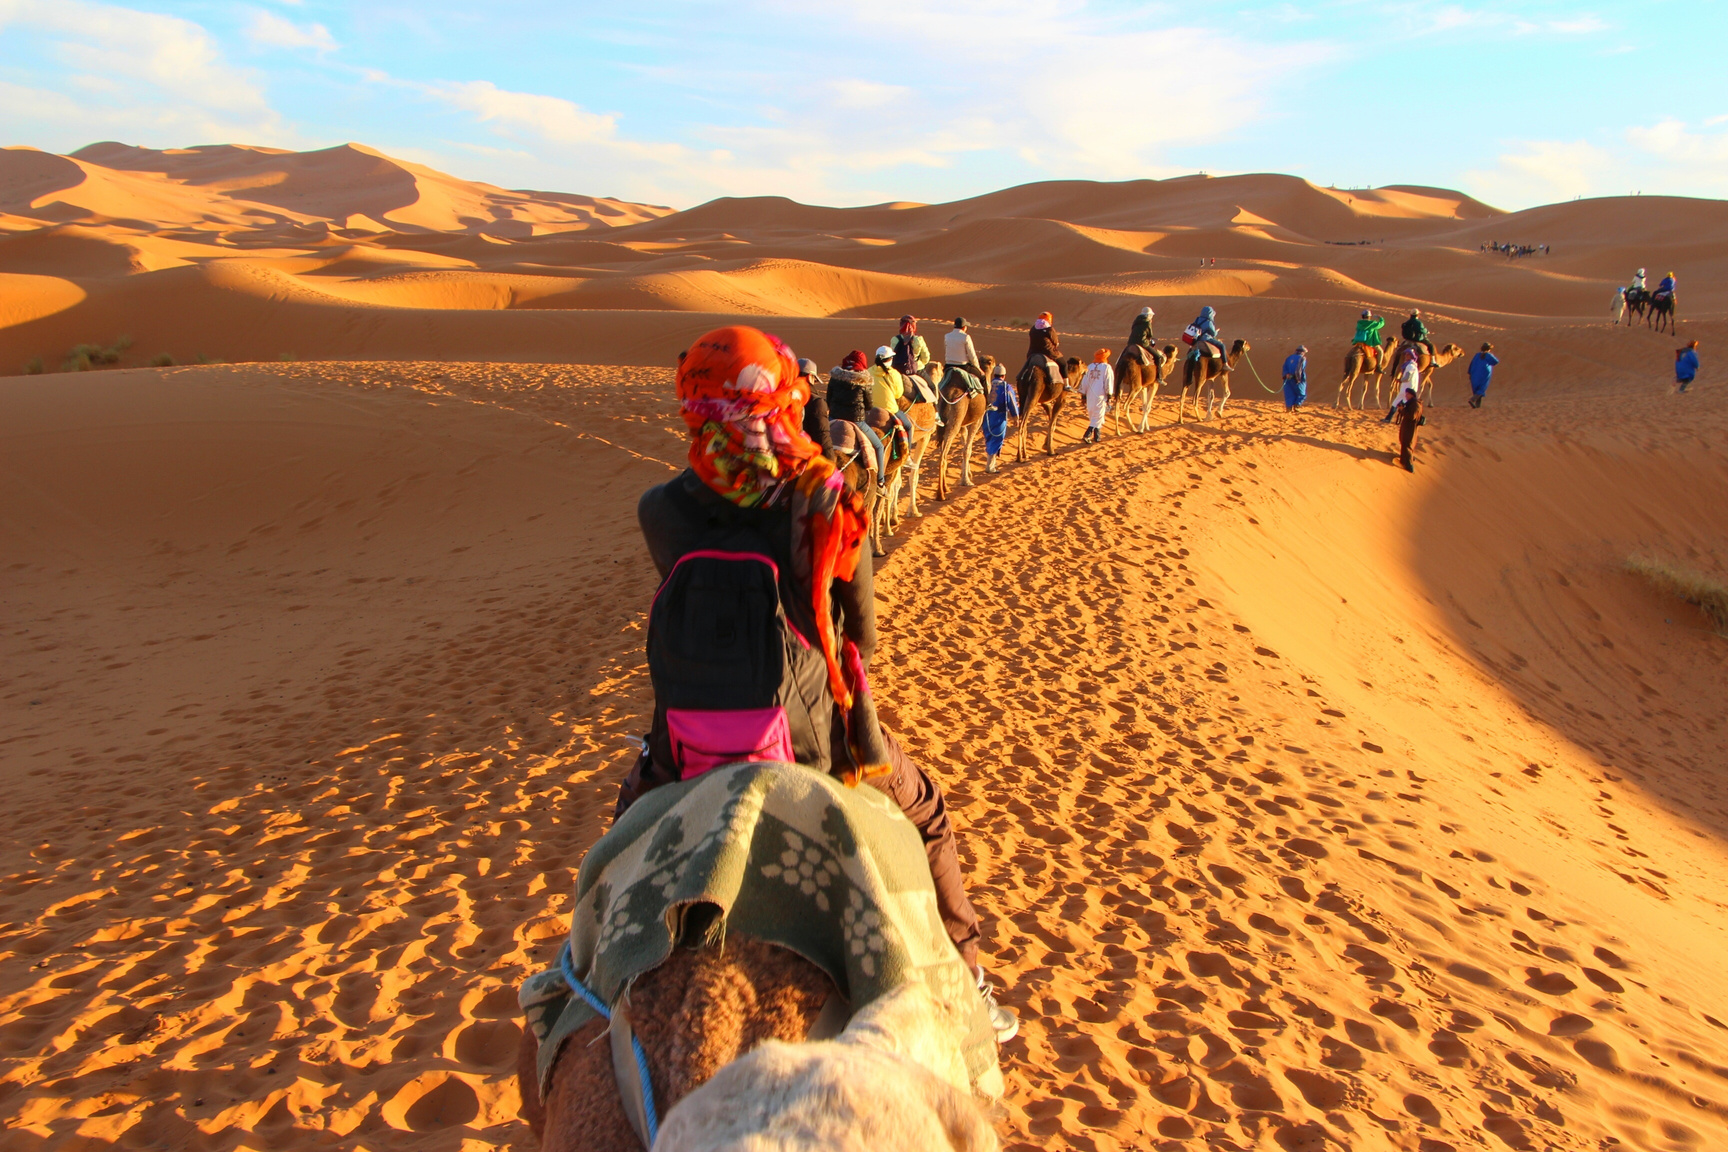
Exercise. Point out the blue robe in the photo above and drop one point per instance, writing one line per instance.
(1295, 380)
(1004, 402)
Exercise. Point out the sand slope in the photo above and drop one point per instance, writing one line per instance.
(1309, 804)
(1285, 261)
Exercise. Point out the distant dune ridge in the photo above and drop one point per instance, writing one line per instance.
(244, 253)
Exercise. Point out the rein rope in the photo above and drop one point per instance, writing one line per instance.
(1249, 360)
(594, 1002)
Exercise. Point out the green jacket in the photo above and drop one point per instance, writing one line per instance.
(1368, 331)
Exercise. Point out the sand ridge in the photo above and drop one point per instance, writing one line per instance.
(1282, 814)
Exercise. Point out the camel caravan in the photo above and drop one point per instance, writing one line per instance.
(772, 947)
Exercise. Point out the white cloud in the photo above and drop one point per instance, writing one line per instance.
(1667, 156)
(1088, 95)
(143, 72)
(268, 30)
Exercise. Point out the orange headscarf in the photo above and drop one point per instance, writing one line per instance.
(1102, 356)
(743, 400)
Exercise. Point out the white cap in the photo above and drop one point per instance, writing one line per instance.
(884, 353)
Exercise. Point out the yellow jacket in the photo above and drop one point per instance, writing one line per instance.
(887, 387)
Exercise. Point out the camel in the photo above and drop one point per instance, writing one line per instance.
(1360, 364)
(860, 475)
(1036, 387)
(1426, 365)
(1137, 382)
(722, 1025)
(962, 416)
(922, 413)
(1209, 375)
(1661, 310)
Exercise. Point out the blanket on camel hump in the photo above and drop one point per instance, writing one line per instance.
(787, 855)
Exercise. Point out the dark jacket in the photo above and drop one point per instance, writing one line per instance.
(1409, 414)
(1414, 330)
(1141, 333)
(848, 395)
(1043, 343)
(816, 425)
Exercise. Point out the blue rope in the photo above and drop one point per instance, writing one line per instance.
(599, 1006)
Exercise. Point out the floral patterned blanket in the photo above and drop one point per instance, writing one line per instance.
(787, 855)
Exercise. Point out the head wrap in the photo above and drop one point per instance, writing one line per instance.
(1046, 317)
(999, 370)
(908, 326)
(1147, 312)
(1691, 343)
(743, 399)
(1041, 323)
(1102, 356)
(855, 361)
(1365, 314)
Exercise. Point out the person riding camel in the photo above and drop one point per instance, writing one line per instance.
(1416, 332)
(1205, 329)
(888, 388)
(1666, 288)
(1141, 342)
(959, 352)
(756, 486)
(1367, 336)
(849, 399)
(911, 354)
(816, 424)
(1043, 344)
(1638, 284)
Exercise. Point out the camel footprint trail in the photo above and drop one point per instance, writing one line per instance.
(1225, 912)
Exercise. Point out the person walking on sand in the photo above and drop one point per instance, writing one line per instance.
(1685, 366)
(1296, 379)
(1410, 418)
(1097, 388)
(1481, 371)
(1004, 403)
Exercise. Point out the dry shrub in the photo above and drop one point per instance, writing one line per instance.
(86, 357)
(1693, 587)
(162, 361)
(35, 367)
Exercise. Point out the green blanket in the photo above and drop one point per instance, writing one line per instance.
(789, 856)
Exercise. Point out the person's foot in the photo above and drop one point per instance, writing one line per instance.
(1003, 1022)
(1408, 467)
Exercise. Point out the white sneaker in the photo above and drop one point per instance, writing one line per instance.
(1003, 1022)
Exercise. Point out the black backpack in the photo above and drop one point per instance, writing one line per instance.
(734, 677)
(904, 347)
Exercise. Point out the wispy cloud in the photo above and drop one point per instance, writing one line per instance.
(1666, 155)
(141, 71)
(268, 30)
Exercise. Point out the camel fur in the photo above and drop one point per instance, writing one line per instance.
(923, 417)
(962, 416)
(1209, 375)
(1138, 383)
(1036, 387)
(1363, 364)
(1425, 365)
(893, 1079)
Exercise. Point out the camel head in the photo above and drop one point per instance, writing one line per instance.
(1240, 347)
(989, 365)
(1448, 354)
(1072, 368)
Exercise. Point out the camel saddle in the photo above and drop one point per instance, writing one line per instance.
(1374, 353)
(850, 441)
(956, 374)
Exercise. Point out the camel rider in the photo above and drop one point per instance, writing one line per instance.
(1141, 342)
(1667, 286)
(911, 354)
(1638, 284)
(1368, 328)
(958, 352)
(1206, 336)
(888, 388)
(1416, 332)
(1043, 343)
(849, 400)
(816, 424)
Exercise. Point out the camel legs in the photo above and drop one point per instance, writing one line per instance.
(1050, 430)
(966, 456)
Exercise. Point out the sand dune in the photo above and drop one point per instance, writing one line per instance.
(1309, 804)
(348, 222)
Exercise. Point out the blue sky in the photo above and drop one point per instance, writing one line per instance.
(674, 102)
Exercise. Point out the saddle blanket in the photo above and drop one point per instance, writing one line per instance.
(786, 855)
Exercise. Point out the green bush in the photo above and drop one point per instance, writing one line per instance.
(35, 367)
(162, 361)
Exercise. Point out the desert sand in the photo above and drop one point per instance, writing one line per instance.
(1309, 804)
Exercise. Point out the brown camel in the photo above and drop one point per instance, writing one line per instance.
(962, 415)
(1362, 363)
(922, 413)
(1209, 375)
(855, 449)
(1138, 383)
(1036, 387)
(1426, 363)
(696, 1013)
